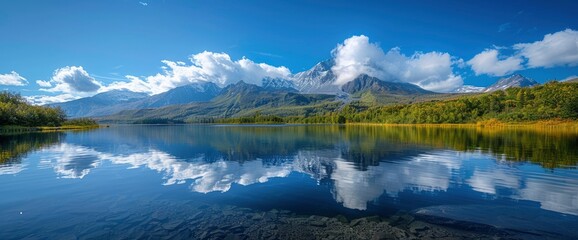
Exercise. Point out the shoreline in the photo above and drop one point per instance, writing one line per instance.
(485, 124)
(7, 130)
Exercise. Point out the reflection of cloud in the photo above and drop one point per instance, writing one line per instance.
(426, 172)
(208, 177)
(7, 169)
(70, 161)
(434, 171)
(488, 182)
(552, 195)
(553, 192)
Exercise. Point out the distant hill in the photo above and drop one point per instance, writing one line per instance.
(114, 101)
(516, 80)
(195, 92)
(99, 104)
(236, 100)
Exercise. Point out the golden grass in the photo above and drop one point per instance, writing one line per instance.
(493, 125)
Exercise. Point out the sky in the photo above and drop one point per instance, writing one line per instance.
(57, 50)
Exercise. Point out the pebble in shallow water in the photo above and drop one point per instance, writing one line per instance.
(169, 220)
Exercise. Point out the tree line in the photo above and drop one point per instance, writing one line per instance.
(16, 111)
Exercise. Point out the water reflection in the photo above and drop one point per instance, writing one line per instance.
(359, 164)
(15, 147)
(555, 193)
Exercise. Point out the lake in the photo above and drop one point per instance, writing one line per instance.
(289, 181)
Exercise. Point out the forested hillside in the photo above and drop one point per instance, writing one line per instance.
(551, 100)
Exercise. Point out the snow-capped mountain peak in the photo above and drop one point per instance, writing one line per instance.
(318, 79)
(515, 80)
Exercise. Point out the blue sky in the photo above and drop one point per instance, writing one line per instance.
(106, 41)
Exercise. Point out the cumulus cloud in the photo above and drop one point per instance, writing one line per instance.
(206, 67)
(71, 79)
(69, 83)
(554, 50)
(432, 71)
(13, 79)
(489, 62)
(44, 84)
(73, 82)
(47, 99)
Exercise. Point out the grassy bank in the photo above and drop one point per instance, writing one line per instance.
(7, 130)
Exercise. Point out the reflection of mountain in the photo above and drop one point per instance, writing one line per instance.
(359, 164)
(14, 147)
(364, 145)
(433, 171)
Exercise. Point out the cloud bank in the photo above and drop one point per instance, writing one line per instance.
(554, 50)
(218, 68)
(432, 71)
(12, 79)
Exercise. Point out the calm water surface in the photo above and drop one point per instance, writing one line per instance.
(216, 181)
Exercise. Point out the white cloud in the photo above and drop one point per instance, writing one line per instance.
(46, 99)
(205, 67)
(134, 84)
(143, 3)
(73, 80)
(432, 71)
(44, 84)
(556, 49)
(488, 62)
(13, 79)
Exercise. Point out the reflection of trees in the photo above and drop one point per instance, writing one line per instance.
(272, 144)
(362, 145)
(550, 149)
(14, 147)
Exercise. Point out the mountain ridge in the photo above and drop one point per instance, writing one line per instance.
(236, 100)
(106, 103)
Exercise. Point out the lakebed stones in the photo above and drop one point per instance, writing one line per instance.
(166, 220)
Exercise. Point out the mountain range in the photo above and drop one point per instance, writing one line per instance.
(309, 92)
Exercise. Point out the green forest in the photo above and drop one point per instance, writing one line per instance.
(553, 100)
(16, 111)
